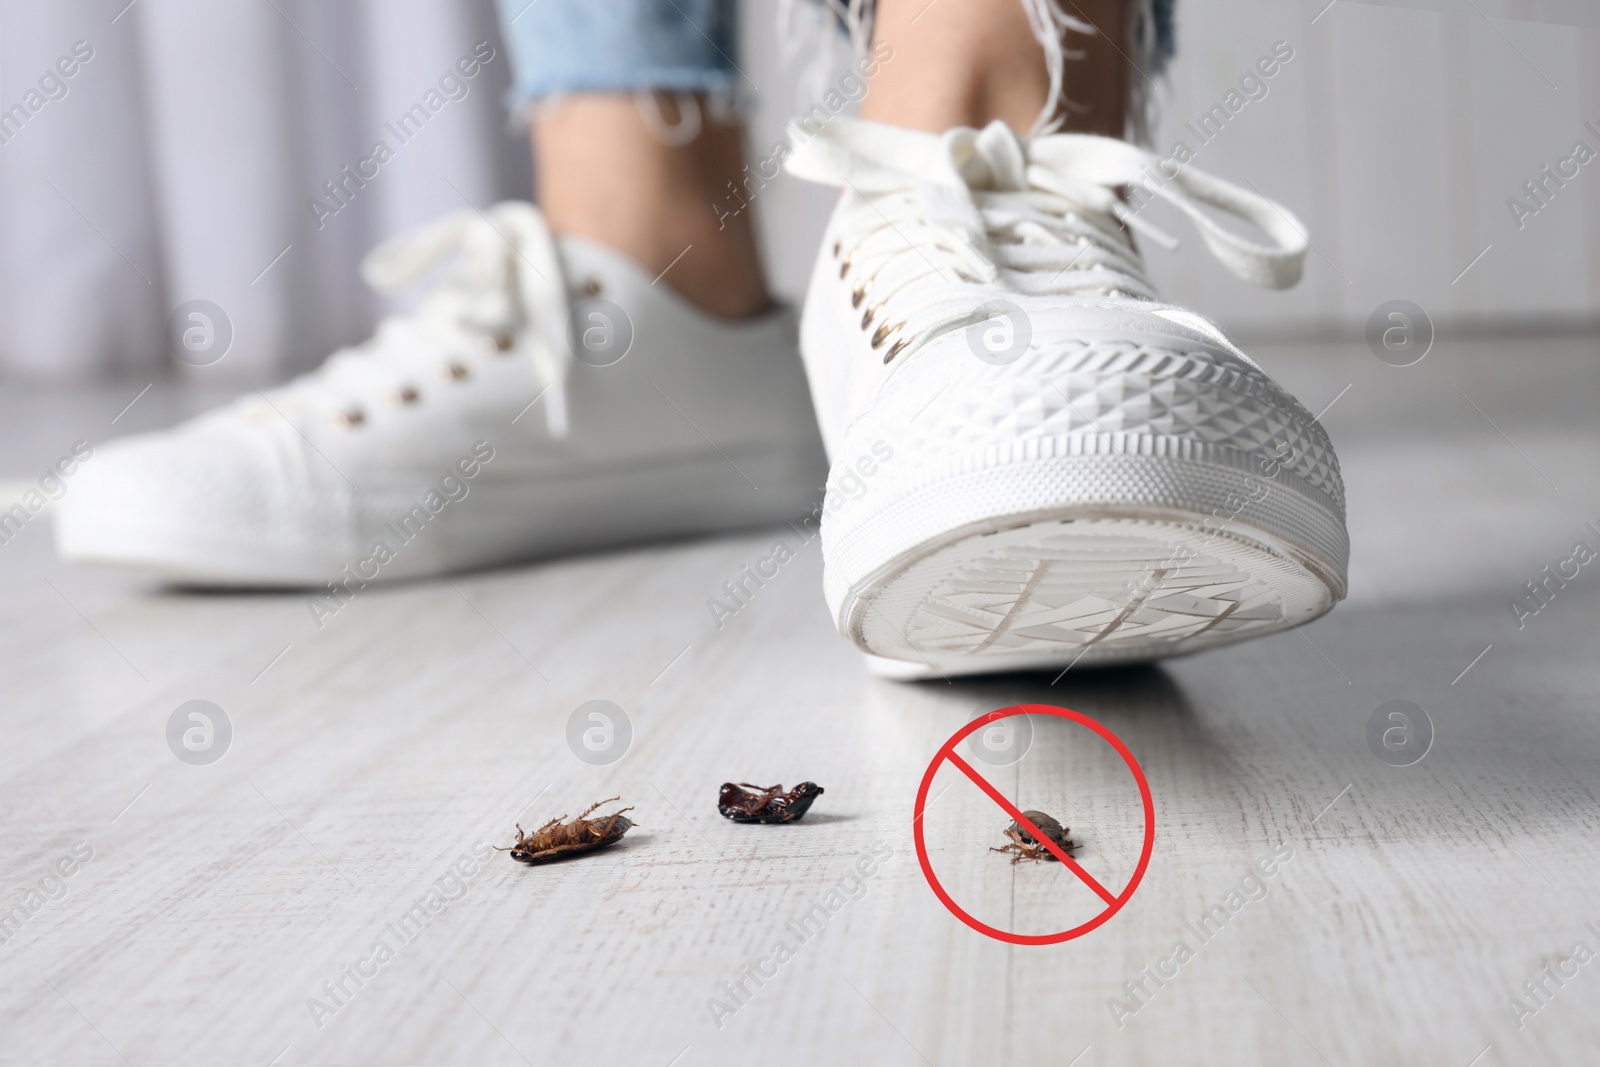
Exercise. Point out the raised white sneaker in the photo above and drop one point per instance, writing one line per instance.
(468, 433)
(1076, 472)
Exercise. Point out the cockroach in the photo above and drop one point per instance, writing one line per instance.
(754, 803)
(556, 838)
(1025, 847)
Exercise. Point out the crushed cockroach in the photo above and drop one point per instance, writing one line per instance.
(1025, 847)
(754, 803)
(556, 838)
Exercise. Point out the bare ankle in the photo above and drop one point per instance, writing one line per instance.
(604, 174)
(991, 66)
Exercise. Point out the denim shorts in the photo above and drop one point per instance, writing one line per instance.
(572, 46)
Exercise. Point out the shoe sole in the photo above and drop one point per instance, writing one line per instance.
(1061, 577)
(496, 524)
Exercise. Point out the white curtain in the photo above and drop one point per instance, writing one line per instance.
(178, 161)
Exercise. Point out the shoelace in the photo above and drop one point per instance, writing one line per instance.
(504, 290)
(1016, 217)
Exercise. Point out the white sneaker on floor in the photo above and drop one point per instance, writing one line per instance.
(468, 433)
(1036, 462)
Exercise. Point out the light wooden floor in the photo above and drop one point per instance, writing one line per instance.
(369, 757)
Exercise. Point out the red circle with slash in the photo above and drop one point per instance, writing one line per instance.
(1113, 903)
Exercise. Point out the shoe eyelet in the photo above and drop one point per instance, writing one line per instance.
(894, 350)
(882, 333)
(406, 394)
(593, 288)
(859, 293)
(844, 264)
(837, 247)
(454, 370)
(349, 418)
(872, 313)
(503, 342)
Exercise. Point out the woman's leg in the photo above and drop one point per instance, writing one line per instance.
(602, 82)
(991, 65)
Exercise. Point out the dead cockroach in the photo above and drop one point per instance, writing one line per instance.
(754, 803)
(556, 838)
(1025, 847)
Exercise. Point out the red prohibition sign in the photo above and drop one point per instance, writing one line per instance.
(1113, 903)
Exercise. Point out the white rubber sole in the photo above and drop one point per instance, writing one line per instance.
(497, 523)
(1097, 560)
(1064, 592)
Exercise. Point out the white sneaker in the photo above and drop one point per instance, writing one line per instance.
(1064, 469)
(468, 433)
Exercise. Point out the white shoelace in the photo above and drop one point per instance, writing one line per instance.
(504, 285)
(1019, 218)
